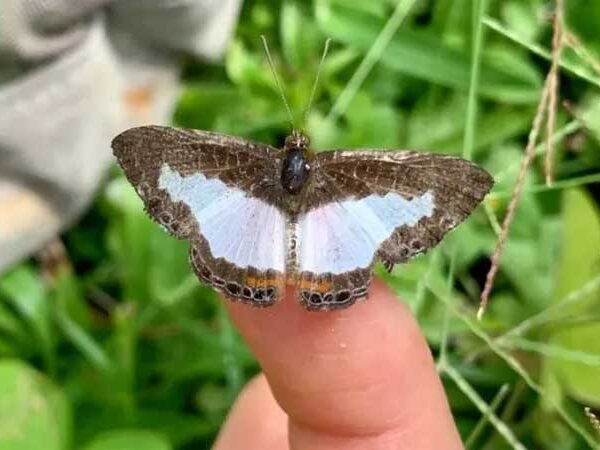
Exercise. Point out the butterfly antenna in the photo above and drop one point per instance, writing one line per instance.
(281, 92)
(316, 82)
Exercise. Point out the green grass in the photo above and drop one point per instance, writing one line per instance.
(124, 347)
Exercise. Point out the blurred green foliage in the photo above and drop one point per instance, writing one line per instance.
(125, 349)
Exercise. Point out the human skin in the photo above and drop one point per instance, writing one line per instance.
(358, 378)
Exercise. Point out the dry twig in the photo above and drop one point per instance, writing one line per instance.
(573, 41)
(514, 201)
(546, 107)
(53, 260)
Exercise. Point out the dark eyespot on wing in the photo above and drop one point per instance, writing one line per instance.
(327, 291)
(248, 285)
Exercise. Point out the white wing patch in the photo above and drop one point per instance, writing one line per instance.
(343, 236)
(244, 230)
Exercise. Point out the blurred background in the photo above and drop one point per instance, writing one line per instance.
(107, 341)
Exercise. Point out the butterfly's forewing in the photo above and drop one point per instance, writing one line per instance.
(219, 193)
(368, 205)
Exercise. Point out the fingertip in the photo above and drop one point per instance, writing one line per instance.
(255, 421)
(358, 372)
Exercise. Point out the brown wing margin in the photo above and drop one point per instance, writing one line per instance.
(246, 285)
(324, 292)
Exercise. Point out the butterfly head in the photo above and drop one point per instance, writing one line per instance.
(297, 140)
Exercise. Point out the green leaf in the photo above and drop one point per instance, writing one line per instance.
(523, 17)
(170, 265)
(584, 17)
(11, 326)
(338, 60)
(590, 114)
(27, 294)
(34, 413)
(129, 240)
(369, 124)
(446, 136)
(580, 263)
(83, 341)
(421, 55)
(152, 262)
(202, 103)
(67, 294)
(129, 440)
(178, 428)
(299, 37)
(246, 69)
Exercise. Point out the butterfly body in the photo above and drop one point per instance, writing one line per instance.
(258, 218)
(297, 163)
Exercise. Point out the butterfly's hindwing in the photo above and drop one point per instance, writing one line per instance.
(349, 232)
(214, 191)
(327, 291)
(248, 284)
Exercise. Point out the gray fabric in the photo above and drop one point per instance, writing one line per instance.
(75, 73)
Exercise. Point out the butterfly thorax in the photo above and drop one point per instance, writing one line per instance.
(297, 163)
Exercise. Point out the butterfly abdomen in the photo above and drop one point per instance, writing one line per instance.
(291, 263)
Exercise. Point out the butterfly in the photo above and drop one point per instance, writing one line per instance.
(258, 218)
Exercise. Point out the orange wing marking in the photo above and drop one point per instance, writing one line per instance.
(258, 282)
